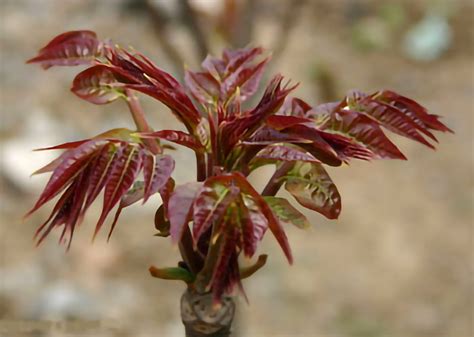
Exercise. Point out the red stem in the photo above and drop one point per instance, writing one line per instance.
(275, 182)
(140, 120)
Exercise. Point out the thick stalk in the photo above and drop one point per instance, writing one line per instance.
(203, 318)
(140, 120)
(276, 180)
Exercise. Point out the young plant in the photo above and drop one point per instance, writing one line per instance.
(219, 216)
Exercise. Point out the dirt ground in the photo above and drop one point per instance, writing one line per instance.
(398, 262)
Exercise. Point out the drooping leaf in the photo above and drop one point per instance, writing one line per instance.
(101, 163)
(98, 85)
(364, 131)
(285, 153)
(412, 109)
(286, 213)
(312, 187)
(69, 49)
(73, 163)
(180, 208)
(157, 171)
(123, 172)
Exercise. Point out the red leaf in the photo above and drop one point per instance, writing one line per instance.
(203, 86)
(318, 147)
(273, 223)
(364, 131)
(210, 205)
(246, 80)
(413, 110)
(98, 85)
(241, 128)
(100, 173)
(254, 225)
(279, 122)
(238, 58)
(69, 49)
(178, 137)
(180, 208)
(226, 270)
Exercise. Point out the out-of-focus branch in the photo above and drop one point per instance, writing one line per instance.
(289, 19)
(159, 22)
(244, 31)
(189, 18)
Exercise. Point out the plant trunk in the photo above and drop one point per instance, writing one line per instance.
(202, 318)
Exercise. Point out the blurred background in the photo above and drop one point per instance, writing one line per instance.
(398, 262)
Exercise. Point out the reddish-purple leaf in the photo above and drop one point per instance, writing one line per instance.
(123, 172)
(73, 163)
(180, 208)
(346, 148)
(98, 85)
(312, 187)
(69, 49)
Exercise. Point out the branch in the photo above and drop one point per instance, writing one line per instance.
(159, 22)
(290, 17)
(246, 21)
(191, 22)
